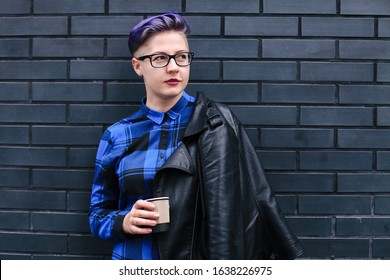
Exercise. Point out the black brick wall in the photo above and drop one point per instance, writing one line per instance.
(310, 79)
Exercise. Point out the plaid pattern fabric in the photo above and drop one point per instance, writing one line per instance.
(130, 153)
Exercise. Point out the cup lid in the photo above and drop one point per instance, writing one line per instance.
(158, 198)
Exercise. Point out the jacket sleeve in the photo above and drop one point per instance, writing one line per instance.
(280, 240)
(105, 219)
(283, 243)
(221, 198)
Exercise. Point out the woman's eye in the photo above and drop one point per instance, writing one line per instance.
(159, 58)
(181, 57)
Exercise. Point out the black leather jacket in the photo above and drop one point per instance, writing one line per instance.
(220, 202)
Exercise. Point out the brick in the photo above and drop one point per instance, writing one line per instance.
(33, 242)
(99, 114)
(205, 70)
(365, 7)
(369, 227)
(306, 226)
(227, 48)
(278, 160)
(32, 70)
(69, 47)
(253, 136)
(60, 222)
(102, 70)
(261, 26)
(337, 71)
(58, 257)
(297, 138)
(15, 26)
(118, 48)
(383, 114)
(79, 244)
(383, 72)
(338, 27)
(67, 91)
(298, 93)
(322, 248)
(26, 156)
(79, 201)
(220, 6)
(65, 135)
(337, 116)
(364, 49)
(62, 179)
(302, 182)
(140, 6)
(68, 7)
(334, 204)
(14, 135)
(14, 48)
(82, 157)
(298, 48)
(384, 27)
(14, 91)
(125, 92)
(381, 248)
(264, 70)
(337, 160)
(15, 256)
(382, 205)
(15, 177)
(299, 7)
(103, 25)
(32, 200)
(364, 94)
(15, 7)
(365, 182)
(226, 92)
(266, 115)
(286, 203)
(23, 113)
(364, 138)
(383, 160)
(204, 25)
(14, 220)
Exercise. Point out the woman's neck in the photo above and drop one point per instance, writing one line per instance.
(162, 104)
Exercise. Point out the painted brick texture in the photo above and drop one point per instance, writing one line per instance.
(309, 79)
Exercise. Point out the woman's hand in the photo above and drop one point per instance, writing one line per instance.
(141, 218)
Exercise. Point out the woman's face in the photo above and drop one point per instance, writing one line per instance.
(163, 85)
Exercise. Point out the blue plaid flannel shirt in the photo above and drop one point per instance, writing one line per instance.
(130, 153)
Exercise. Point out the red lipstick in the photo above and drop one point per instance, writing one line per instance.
(172, 82)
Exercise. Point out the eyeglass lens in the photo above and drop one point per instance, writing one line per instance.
(162, 60)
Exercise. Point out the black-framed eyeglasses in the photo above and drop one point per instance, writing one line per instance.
(162, 60)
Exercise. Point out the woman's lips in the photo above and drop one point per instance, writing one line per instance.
(172, 82)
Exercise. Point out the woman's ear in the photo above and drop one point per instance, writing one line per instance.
(136, 66)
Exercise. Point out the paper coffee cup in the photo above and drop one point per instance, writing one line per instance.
(162, 207)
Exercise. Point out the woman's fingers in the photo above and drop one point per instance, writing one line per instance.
(141, 218)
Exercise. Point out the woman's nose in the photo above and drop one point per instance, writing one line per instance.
(172, 66)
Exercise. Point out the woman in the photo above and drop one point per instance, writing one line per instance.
(190, 150)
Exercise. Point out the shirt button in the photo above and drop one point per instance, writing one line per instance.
(161, 156)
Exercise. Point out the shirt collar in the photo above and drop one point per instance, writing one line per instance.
(173, 113)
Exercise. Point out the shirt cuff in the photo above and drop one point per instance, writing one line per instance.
(117, 228)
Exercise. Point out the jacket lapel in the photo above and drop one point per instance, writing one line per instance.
(198, 120)
(180, 159)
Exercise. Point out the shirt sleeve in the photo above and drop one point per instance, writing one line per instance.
(105, 219)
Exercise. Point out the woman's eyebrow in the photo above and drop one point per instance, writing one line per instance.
(161, 52)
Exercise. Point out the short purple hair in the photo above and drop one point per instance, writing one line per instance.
(146, 28)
